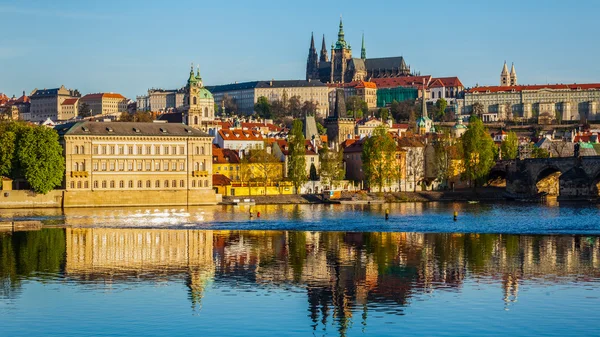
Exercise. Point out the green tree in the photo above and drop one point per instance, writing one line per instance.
(42, 166)
(309, 108)
(537, 152)
(558, 117)
(478, 150)
(84, 110)
(379, 158)
(440, 106)
(477, 109)
(510, 146)
(332, 166)
(313, 176)
(263, 107)
(383, 113)
(294, 107)
(297, 155)
(322, 130)
(7, 151)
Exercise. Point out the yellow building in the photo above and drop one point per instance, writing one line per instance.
(105, 103)
(156, 163)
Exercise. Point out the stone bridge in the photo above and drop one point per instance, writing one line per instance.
(578, 177)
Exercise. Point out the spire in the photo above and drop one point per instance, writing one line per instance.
(198, 73)
(505, 69)
(312, 42)
(363, 50)
(341, 33)
(424, 111)
(192, 80)
(512, 70)
(340, 104)
(323, 57)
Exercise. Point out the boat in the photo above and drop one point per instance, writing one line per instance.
(473, 202)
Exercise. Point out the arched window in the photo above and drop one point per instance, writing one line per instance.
(196, 166)
(103, 183)
(166, 183)
(72, 184)
(76, 149)
(148, 184)
(174, 183)
(139, 184)
(206, 183)
(86, 185)
(193, 183)
(130, 185)
(205, 112)
(95, 183)
(181, 183)
(195, 120)
(75, 166)
(82, 150)
(195, 100)
(112, 184)
(157, 184)
(79, 184)
(121, 184)
(202, 150)
(197, 150)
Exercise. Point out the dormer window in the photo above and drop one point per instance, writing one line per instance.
(136, 130)
(85, 129)
(109, 129)
(163, 130)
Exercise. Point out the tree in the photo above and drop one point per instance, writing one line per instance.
(230, 104)
(263, 107)
(558, 117)
(379, 158)
(294, 106)
(510, 146)
(332, 166)
(309, 108)
(478, 150)
(443, 159)
(440, 106)
(264, 166)
(538, 152)
(353, 104)
(507, 111)
(297, 155)
(313, 176)
(42, 166)
(477, 109)
(7, 150)
(415, 160)
(85, 110)
(322, 130)
(138, 116)
(383, 114)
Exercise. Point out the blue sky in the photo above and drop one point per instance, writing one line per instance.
(130, 46)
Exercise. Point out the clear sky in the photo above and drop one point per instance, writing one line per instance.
(129, 46)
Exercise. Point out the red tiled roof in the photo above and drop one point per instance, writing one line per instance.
(283, 145)
(102, 95)
(220, 180)
(404, 81)
(271, 127)
(449, 81)
(236, 134)
(354, 84)
(519, 88)
(225, 156)
(69, 101)
(400, 126)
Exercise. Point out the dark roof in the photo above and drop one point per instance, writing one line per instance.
(265, 84)
(175, 117)
(128, 129)
(385, 63)
(45, 92)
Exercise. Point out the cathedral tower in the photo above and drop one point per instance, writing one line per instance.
(504, 76)
(363, 50)
(339, 126)
(312, 64)
(200, 102)
(324, 58)
(341, 52)
(513, 76)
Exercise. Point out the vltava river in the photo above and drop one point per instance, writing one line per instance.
(505, 270)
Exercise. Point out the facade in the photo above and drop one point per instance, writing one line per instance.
(226, 162)
(15, 108)
(108, 104)
(311, 157)
(343, 68)
(145, 158)
(410, 88)
(339, 127)
(47, 103)
(366, 91)
(570, 102)
(70, 106)
(161, 100)
(246, 94)
(239, 139)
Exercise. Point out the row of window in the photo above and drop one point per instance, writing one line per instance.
(139, 165)
(139, 184)
(139, 149)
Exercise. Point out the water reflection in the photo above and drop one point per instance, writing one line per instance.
(344, 275)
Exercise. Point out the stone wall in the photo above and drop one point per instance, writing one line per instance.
(28, 199)
(60, 198)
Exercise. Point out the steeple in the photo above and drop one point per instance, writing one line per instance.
(513, 75)
(312, 63)
(363, 50)
(312, 43)
(340, 104)
(504, 80)
(323, 57)
(192, 80)
(341, 43)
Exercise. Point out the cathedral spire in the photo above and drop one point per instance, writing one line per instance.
(341, 31)
(323, 57)
(363, 50)
(192, 80)
(312, 42)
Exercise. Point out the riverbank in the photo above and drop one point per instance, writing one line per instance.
(486, 194)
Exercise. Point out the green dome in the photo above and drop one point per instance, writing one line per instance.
(459, 126)
(204, 93)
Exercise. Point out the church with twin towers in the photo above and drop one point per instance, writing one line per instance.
(340, 67)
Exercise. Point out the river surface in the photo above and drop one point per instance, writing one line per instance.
(308, 270)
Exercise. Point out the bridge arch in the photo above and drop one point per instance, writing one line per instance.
(547, 179)
(574, 183)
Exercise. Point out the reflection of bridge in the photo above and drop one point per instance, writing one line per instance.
(577, 178)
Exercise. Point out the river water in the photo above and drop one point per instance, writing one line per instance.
(309, 270)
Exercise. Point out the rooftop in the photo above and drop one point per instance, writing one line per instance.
(128, 129)
(519, 88)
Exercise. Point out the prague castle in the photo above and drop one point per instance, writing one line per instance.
(343, 68)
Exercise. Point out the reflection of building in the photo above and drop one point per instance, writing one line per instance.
(145, 159)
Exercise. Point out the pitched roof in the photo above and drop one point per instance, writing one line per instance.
(220, 180)
(225, 156)
(449, 81)
(385, 63)
(171, 117)
(265, 84)
(354, 84)
(308, 146)
(128, 129)
(70, 101)
(240, 135)
(519, 88)
(403, 81)
(102, 95)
